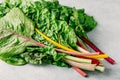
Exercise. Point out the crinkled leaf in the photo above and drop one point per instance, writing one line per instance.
(39, 55)
(16, 21)
(11, 44)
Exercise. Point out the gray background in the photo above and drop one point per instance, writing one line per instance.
(106, 36)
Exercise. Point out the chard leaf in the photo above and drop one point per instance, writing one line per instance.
(36, 55)
(11, 44)
(14, 60)
(15, 20)
(57, 30)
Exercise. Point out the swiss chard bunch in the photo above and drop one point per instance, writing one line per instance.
(16, 50)
(43, 31)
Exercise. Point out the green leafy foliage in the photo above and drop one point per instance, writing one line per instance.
(39, 55)
(16, 21)
(87, 22)
(10, 44)
(60, 23)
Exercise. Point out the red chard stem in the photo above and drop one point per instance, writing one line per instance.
(89, 43)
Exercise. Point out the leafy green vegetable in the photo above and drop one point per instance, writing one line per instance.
(16, 21)
(61, 26)
(10, 44)
(58, 30)
(60, 23)
(14, 50)
(38, 55)
(14, 60)
(87, 22)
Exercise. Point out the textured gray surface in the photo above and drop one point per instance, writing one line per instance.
(106, 36)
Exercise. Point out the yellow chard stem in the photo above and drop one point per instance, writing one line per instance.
(55, 43)
(68, 49)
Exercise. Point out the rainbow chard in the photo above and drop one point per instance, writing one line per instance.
(42, 31)
(85, 23)
(16, 44)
